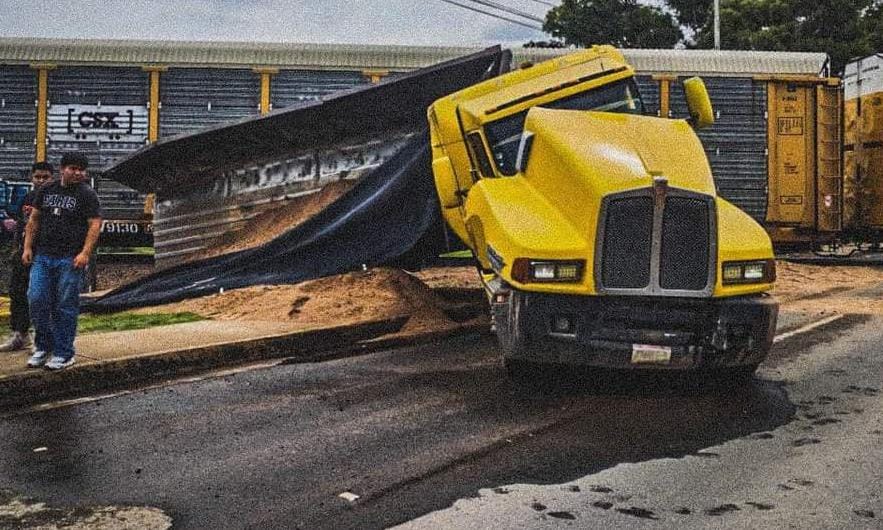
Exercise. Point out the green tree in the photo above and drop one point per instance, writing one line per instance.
(622, 23)
(872, 26)
(841, 28)
(751, 25)
(692, 14)
(834, 27)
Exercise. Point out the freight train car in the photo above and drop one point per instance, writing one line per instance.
(775, 149)
(863, 147)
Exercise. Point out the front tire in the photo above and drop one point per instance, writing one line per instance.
(511, 334)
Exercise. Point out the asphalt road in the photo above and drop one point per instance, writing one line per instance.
(437, 437)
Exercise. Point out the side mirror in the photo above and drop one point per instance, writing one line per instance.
(698, 102)
(446, 182)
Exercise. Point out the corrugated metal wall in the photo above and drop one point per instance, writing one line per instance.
(292, 86)
(101, 87)
(194, 98)
(649, 89)
(736, 144)
(18, 120)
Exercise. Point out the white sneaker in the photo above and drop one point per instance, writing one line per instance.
(16, 341)
(38, 358)
(59, 363)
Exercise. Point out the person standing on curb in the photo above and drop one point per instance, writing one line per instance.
(19, 319)
(59, 239)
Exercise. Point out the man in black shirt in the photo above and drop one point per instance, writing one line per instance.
(59, 239)
(19, 319)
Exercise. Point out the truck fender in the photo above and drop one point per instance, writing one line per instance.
(449, 193)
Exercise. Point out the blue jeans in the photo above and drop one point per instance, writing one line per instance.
(54, 298)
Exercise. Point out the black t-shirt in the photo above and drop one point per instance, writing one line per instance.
(64, 217)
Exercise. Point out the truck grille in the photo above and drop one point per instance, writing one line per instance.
(657, 241)
(629, 231)
(683, 262)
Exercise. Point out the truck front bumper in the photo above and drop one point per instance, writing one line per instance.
(637, 332)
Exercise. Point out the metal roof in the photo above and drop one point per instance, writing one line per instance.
(869, 82)
(223, 54)
(385, 57)
(728, 62)
(706, 62)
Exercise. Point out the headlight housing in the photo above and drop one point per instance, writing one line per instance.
(526, 270)
(754, 271)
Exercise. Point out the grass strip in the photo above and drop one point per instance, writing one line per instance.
(128, 321)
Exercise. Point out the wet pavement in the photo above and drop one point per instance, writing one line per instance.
(438, 432)
(819, 468)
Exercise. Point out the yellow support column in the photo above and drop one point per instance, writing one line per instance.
(664, 94)
(375, 76)
(153, 103)
(42, 109)
(153, 106)
(266, 80)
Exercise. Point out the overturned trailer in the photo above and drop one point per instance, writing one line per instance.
(208, 182)
(215, 181)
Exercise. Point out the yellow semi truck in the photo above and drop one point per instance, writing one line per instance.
(598, 233)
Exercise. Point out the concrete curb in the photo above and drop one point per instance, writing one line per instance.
(41, 385)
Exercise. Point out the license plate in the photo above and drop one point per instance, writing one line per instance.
(648, 353)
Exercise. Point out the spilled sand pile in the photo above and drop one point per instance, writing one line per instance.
(274, 222)
(262, 229)
(386, 293)
(343, 299)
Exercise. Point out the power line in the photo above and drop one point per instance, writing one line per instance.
(488, 13)
(507, 9)
(550, 4)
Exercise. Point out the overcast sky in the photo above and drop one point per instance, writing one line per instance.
(415, 22)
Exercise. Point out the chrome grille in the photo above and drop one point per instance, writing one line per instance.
(657, 241)
(629, 231)
(683, 262)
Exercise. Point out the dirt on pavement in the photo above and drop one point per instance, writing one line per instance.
(385, 292)
(829, 289)
(343, 299)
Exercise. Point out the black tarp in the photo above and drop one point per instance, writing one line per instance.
(376, 222)
(390, 212)
(173, 166)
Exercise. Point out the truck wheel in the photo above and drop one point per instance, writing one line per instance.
(510, 333)
(515, 342)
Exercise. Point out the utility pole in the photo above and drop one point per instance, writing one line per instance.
(717, 24)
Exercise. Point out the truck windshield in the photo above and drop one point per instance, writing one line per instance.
(504, 135)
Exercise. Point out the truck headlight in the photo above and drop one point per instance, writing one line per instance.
(759, 271)
(526, 270)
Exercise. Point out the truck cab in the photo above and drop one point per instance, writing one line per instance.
(597, 230)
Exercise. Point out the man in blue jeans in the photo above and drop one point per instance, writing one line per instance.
(59, 239)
